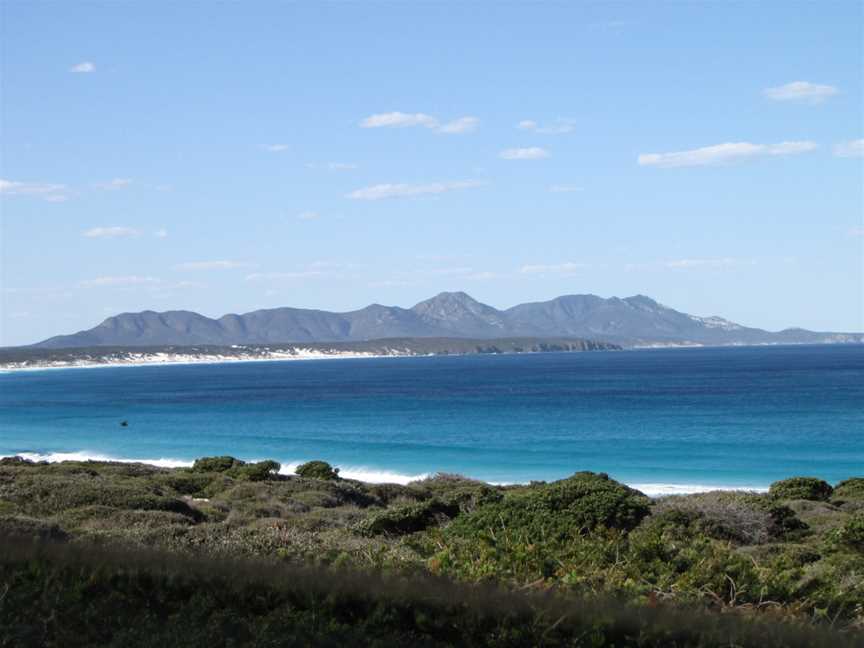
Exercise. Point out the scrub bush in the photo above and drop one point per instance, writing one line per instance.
(801, 488)
(317, 470)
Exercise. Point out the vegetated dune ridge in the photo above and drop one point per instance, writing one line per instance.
(232, 551)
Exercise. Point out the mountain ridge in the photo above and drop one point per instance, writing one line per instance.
(638, 320)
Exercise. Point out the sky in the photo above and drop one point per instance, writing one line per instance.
(227, 157)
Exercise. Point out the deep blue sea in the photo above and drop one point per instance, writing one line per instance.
(664, 420)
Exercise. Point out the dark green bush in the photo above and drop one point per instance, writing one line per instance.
(579, 503)
(215, 464)
(408, 518)
(317, 470)
(801, 488)
(259, 471)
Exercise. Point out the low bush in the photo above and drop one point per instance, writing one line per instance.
(577, 504)
(317, 470)
(801, 488)
(850, 489)
(408, 518)
(215, 464)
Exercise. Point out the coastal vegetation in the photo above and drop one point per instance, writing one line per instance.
(230, 552)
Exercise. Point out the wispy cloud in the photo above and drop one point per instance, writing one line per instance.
(852, 148)
(111, 185)
(397, 119)
(459, 126)
(382, 191)
(801, 91)
(558, 127)
(161, 233)
(530, 153)
(127, 280)
(50, 192)
(83, 67)
(110, 232)
(566, 268)
(213, 265)
(725, 262)
(275, 148)
(565, 188)
(856, 231)
(723, 154)
(308, 215)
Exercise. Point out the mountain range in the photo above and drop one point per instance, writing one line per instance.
(631, 321)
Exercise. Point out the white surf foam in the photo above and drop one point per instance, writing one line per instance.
(658, 490)
(54, 457)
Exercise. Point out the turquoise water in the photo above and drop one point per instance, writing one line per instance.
(667, 420)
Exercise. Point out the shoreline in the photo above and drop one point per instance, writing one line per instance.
(375, 475)
(185, 360)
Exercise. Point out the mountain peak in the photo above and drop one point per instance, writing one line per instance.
(636, 320)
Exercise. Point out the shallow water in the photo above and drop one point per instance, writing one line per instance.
(665, 420)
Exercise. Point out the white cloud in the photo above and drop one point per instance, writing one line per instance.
(801, 91)
(399, 120)
(459, 126)
(565, 188)
(110, 232)
(725, 262)
(213, 265)
(14, 188)
(566, 268)
(852, 148)
(403, 120)
(308, 215)
(83, 67)
(56, 198)
(558, 127)
(530, 153)
(722, 154)
(275, 148)
(116, 183)
(382, 191)
(856, 231)
(133, 280)
(161, 233)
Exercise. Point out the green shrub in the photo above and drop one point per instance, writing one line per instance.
(851, 534)
(259, 471)
(317, 470)
(801, 488)
(408, 518)
(215, 464)
(850, 489)
(579, 503)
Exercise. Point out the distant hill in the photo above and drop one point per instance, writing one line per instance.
(632, 321)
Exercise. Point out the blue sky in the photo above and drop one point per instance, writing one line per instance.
(225, 157)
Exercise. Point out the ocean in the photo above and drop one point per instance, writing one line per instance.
(663, 420)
